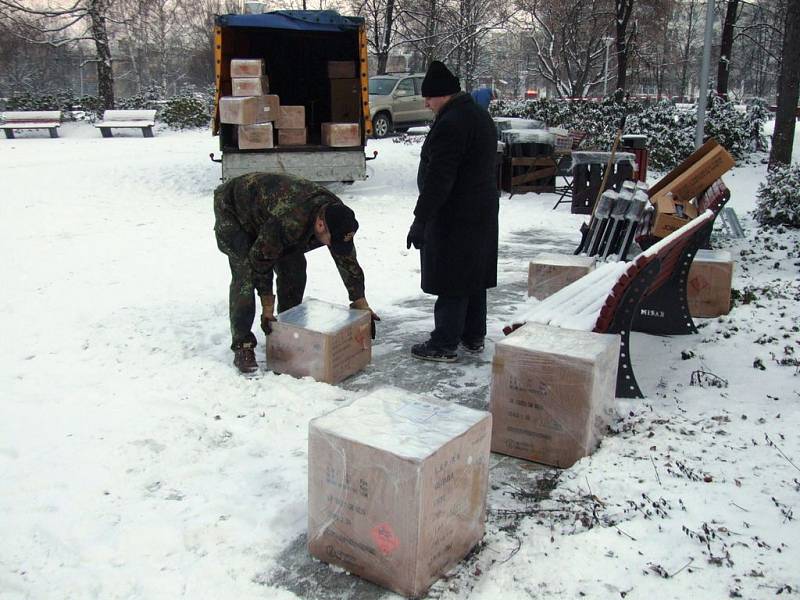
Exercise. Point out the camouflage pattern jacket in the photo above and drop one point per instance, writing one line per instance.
(266, 216)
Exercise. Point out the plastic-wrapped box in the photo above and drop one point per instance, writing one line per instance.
(325, 341)
(709, 285)
(247, 67)
(291, 117)
(246, 110)
(397, 487)
(341, 135)
(528, 136)
(562, 141)
(504, 123)
(256, 136)
(292, 137)
(250, 86)
(548, 272)
(552, 394)
(585, 157)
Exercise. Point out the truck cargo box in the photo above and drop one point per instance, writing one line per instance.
(297, 49)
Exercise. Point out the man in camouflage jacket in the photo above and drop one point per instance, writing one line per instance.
(265, 223)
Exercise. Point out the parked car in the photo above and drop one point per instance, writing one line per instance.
(396, 103)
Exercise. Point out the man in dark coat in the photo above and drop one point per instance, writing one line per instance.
(266, 222)
(455, 220)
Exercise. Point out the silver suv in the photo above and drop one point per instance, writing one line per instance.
(396, 103)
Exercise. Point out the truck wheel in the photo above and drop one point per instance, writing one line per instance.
(381, 125)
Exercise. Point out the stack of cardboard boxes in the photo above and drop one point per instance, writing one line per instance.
(343, 129)
(251, 107)
(291, 126)
(259, 114)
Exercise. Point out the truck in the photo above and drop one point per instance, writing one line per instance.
(297, 49)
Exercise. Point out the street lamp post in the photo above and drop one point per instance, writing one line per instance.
(608, 41)
(701, 101)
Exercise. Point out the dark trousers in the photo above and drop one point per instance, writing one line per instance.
(290, 282)
(459, 318)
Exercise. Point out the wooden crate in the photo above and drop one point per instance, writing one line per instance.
(587, 179)
(529, 174)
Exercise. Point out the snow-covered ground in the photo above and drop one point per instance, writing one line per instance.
(136, 463)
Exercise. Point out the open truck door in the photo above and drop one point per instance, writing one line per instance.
(297, 47)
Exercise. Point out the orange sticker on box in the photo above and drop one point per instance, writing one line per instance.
(384, 538)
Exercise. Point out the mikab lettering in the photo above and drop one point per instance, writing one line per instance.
(649, 312)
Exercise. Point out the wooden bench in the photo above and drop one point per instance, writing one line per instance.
(647, 293)
(30, 119)
(126, 119)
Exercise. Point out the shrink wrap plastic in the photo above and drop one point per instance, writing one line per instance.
(552, 395)
(397, 487)
(325, 341)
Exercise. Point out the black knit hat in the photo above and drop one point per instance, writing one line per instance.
(439, 81)
(342, 225)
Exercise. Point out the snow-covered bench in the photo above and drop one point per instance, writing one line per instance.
(647, 293)
(30, 119)
(125, 119)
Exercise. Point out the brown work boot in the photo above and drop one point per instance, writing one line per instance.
(244, 358)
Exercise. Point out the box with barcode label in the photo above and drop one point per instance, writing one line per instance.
(327, 342)
(397, 487)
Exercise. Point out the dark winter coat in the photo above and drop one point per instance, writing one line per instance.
(458, 200)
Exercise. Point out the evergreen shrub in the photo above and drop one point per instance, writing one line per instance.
(186, 110)
(778, 198)
(670, 132)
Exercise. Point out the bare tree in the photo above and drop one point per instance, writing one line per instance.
(151, 33)
(471, 24)
(382, 17)
(688, 43)
(83, 20)
(788, 88)
(568, 41)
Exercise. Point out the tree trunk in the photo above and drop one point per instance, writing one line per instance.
(726, 48)
(788, 86)
(623, 10)
(383, 51)
(105, 73)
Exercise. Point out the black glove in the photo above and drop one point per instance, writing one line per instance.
(361, 304)
(416, 235)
